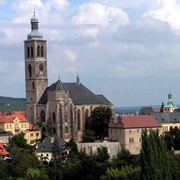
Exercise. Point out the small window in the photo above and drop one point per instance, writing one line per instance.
(131, 140)
(32, 52)
(31, 134)
(137, 130)
(42, 51)
(130, 131)
(28, 52)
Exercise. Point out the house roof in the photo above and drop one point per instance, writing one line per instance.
(5, 133)
(167, 117)
(146, 110)
(77, 92)
(138, 121)
(3, 150)
(11, 118)
(47, 145)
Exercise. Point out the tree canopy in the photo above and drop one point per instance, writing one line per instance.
(99, 121)
(155, 164)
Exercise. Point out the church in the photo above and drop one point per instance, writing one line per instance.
(65, 107)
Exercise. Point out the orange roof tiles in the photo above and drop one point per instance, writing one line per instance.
(3, 151)
(11, 118)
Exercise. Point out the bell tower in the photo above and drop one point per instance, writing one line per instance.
(36, 78)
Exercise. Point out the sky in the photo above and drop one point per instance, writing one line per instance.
(129, 51)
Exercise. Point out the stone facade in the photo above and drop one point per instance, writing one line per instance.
(91, 148)
(64, 107)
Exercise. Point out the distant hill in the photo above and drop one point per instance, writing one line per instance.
(132, 109)
(8, 104)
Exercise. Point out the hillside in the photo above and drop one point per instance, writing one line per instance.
(8, 104)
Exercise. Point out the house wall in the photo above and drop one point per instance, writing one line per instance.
(129, 139)
(167, 126)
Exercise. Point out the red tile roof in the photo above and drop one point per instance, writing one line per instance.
(3, 151)
(10, 118)
(139, 121)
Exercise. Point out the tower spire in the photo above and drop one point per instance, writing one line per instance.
(34, 34)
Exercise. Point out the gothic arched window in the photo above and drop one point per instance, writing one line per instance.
(86, 119)
(38, 51)
(42, 116)
(66, 130)
(33, 85)
(32, 52)
(28, 52)
(30, 70)
(54, 117)
(54, 130)
(79, 119)
(42, 51)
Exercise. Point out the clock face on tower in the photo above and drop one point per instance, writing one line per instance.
(41, 67)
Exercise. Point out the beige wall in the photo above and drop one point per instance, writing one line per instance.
(166, 126)
(32, 136)
(129, 139)
(91, 148)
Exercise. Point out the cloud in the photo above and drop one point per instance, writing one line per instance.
(99, 14)
(71, 56)
(166, 11)
(147, 30)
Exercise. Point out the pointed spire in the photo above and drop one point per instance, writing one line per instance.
(78, 80)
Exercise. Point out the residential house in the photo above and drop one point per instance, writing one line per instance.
(3, 153)
(16, 122)
(44, 149)
(127, 130)
(168, 120)
(4, 136)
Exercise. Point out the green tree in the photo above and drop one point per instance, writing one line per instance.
(89, 136)
(172, 138)
(125, 173)
(155, 164)
(99, 121)
(73, 147)
(175, 165)
(18, 141)
(102, 154)
(125, 158)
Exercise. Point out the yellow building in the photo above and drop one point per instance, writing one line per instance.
(16, 122)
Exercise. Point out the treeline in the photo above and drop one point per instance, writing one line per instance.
(155, 162)
(8, 104)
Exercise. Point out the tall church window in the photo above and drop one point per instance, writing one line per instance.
(86, 119)
(38, 51)
(42, 51)
(42, 116)
(30, 70)
(66, 130)
(54, 130)
(33, 85)
(79, 119)
(28, 52)
(54, 117)
(32, 52)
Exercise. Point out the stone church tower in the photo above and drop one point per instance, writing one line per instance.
(64, 107)
(35, 68)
